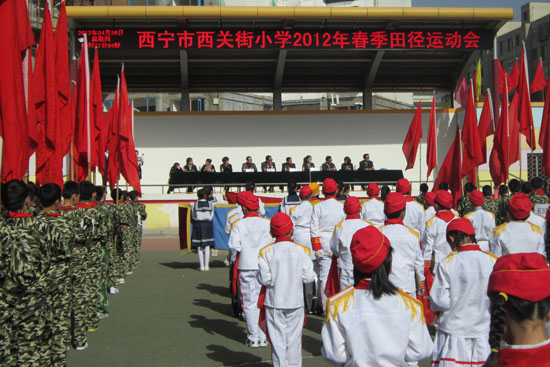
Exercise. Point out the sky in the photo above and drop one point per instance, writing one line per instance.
(516, 4)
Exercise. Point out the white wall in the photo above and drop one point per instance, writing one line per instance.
(166, 138)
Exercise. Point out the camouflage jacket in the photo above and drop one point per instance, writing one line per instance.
(463, 205)
(420, 199)
(140, 210)
(502, 205)
(539, 198)
(80, 225)
(490, 205)
(125, 214)
(96, 222)
(108, 222)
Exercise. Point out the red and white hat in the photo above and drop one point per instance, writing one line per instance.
(523, 275)
(520, 206)
(403, 186)
(462, 225)
(249, 201)
(430, 198)
(373, 189)
(369, 248)
(329, 186)
(476, 198)
(444, 198)
(395, 201)
(305, 191)
(281, 224)
(352, 205)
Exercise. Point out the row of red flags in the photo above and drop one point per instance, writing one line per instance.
(41, 112)
(469, 147)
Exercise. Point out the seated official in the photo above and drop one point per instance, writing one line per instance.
(328, 165)
(248, 165)
(189, 167)
(366, 164)
(176, 167)
(226, 167)
(347, 165)
(288, 165)
(268, 166)
(308, 164)
(208, 166)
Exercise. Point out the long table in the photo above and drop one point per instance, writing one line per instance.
(282, 178)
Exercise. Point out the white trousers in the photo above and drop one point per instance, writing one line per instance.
(346, 278)
(285, 332)
(250, 290)
(324, 267)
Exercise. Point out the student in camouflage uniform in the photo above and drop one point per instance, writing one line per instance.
(490, 204)
(105, 252)
(25, 290)
(116, 271)
(463, 205)
(61, 238)
(35, 207)
(423, 190)
(141, 214)
(128, 232)
(502, 204)
(97, 238)
(538, 196)
(79, 268)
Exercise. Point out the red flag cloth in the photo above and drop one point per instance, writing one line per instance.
(544, 135)
(504, 76)
(16, 38)
(473, 155)
(499, 159)
(486, 124)
(49, 161)
(431, 154)
(514, 77)
(98, 151)
(103, 137)
(410, 145)
(451, 169)
(113, 172)
(524, 112)
(130, 167)
(333, 280)
(461, 91)
(63, 79)
(31, 112)
(82, 117)
(513, 140)
(539, 81)
(232, 198)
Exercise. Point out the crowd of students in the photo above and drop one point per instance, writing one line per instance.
(387, 268)
(62, 250)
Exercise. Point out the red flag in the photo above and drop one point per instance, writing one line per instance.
(461, 91)
(486, 126)
(97, 149)
(473, 155)
(103, 136)
(544, 135)
(16, 38)
(129, 163)
(524, 112)
(499, 160)
(63, 78)
(31, 112)
(49, 163)
(505, 76)
(431, 155)
(450, 171)
(514, 137)
(539, 81)
(113, 139)
(83, 116)
(410, 145)
(514, 77)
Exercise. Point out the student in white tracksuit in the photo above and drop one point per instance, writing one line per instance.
(518, 235)
(415, 217)
(482, 220)
(248, 236)
(284, 267)
(326, 215)
(407, 260)
(459, 292)
(341, 239)
(301, 218)
(429, 202)
(373, 208)
(374, 324)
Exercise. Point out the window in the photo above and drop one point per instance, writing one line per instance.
(525, 16)
(517, 40)
(501, 48)
(510, 44)
(197, 104)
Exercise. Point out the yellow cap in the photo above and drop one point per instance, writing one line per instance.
(314, 186)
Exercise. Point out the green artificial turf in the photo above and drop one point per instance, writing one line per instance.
(169, 314)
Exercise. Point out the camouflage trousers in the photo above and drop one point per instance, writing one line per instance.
(93, 281)
(78, 300)
(135, 246)
(102, 301)
(116, 257)
(5, 335)
(128, 252)
(30, 340)
(61, 323)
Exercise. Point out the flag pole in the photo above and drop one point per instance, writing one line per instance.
(420, 165)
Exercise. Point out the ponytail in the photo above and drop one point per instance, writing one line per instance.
(498, 321)
(379, 279)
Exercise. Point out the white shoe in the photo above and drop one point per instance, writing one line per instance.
(206, 268)
(82, 347)
(251, 344)
(121, 281)
(263, 343)
(226, 262)
(129, 273)
(113, 290)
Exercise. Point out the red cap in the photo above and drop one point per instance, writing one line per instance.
(281, 224)
(329, 186)
(395, 201)
(240, 197)
(430, 198)
(444, 198)
(462, 225)
(352, 205)
(373, 189)
(305, 191)
(403, 186)
(369, 248)
(250, 201)
(523, 275)
(520, 206)
(477, 198)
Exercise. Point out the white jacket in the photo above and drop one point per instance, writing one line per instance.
(284, 267)
(483, 222)
(247, 237)
(301, 217)
(363, 332)
(460, 291)
(341, 240)
(539, 221)
(373, 211)
(407, 256)
(233, 216)
(516, 237)
(436, 240)
(326, 215)
(415, 217)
